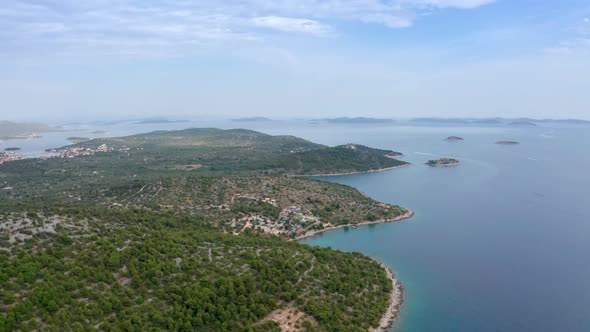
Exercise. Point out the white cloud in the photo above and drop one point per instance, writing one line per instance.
(578, 43)
(287, 24)
(460, 4)
(127, 26)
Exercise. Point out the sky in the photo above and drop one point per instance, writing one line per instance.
(105, 59)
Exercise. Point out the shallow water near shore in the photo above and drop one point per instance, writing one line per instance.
(499, 243)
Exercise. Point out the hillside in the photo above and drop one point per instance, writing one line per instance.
(187, 230)
(76, 269)
(98, 163)
(286, 206)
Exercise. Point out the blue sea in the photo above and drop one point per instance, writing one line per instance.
(499, 243)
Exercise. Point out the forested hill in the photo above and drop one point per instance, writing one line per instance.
(104, 163)
(91, 269)
(238, 151)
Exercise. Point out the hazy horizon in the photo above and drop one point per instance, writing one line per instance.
(82, 120)
(67, 60)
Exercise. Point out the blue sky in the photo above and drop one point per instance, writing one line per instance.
(294, 58)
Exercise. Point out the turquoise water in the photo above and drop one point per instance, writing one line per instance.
(500, 243)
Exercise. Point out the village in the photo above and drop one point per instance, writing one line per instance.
(292, 221)
(6, 156)
(72, 152)
(67, 152)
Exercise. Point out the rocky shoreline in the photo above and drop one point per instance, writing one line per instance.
(360, 172)
(397, 293)
(443, 162)
(408, 214)
(395, 302)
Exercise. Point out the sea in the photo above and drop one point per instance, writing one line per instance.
(498, 243)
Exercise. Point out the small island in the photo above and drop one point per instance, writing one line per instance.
(507, 142)
(357, 120)
(100, 132)
(443, 162)
(12, 149)
(158, 120)
(76, 139)
(252, 119)
(523, 124)
(454, 139)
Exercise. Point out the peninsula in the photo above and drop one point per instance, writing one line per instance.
(23, 130)
(394, 155)
(225, 225)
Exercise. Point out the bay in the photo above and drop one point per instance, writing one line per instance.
(499, 243)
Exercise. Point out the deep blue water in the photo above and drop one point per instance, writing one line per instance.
(499, 243)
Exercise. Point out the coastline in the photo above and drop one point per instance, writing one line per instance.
(395, 301)
(445, 165)
(397, 293)
(409, 214)
(359, 172)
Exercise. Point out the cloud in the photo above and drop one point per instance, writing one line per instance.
(578, 43)
(459, 4)
(180, 26)
(287, 24)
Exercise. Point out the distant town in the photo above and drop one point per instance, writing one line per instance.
(68, 152)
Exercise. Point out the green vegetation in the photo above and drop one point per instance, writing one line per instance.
(136, 270)
(280, 205)
(149, 157)
(235, 151)
(187, 230)
(76, 139)
(443, 162)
